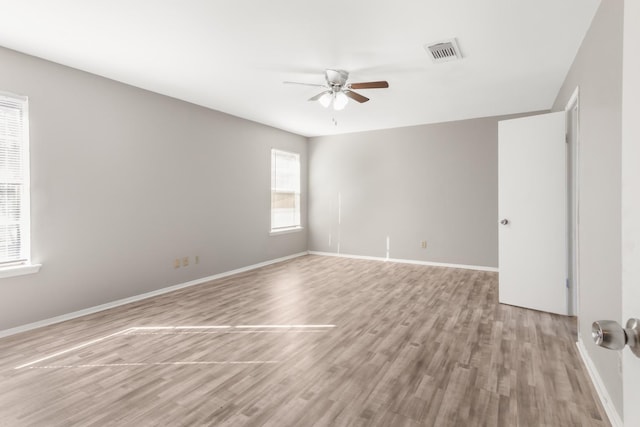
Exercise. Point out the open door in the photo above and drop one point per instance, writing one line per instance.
(532, 168)
(631, 204)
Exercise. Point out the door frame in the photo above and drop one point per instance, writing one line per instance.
(573, 193)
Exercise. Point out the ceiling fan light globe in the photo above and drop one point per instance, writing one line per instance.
(340, 101)
(325, 100)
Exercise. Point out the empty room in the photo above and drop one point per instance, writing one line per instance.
(278, 213)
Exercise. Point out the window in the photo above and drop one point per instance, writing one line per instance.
(14, 182)
(285, 190)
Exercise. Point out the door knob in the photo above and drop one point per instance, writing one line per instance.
(609, 334)
(504, 221)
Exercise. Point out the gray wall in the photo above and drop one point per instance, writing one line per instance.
(435, 182)
(597, 70)
(124, 181)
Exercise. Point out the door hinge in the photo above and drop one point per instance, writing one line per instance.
(567, 283)
(566, 138)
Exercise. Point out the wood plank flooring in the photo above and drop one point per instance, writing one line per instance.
(315, 341)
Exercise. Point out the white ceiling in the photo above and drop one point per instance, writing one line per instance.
(233, 55)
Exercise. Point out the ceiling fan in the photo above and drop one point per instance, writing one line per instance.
(338, 91)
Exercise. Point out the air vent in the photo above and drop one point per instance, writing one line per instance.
(444, 51)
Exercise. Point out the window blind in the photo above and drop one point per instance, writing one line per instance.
(13, 179)
(285, 189)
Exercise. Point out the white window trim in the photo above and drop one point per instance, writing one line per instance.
(286, 230)
(294, 228)
(22, 268)
(19, 270)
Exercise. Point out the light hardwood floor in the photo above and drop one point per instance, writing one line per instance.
(370, 343)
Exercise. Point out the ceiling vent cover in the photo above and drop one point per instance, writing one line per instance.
(444, 51)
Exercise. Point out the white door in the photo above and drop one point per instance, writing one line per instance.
(532, 186)
(631, 204)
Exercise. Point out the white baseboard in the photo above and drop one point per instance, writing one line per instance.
(102, 307)
(603, 394)
(407, 261)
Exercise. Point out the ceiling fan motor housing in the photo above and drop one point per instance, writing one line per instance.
(336, 78)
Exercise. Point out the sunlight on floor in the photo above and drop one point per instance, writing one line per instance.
(174, 330)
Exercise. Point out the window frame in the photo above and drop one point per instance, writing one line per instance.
(297, 194)
(23, 264)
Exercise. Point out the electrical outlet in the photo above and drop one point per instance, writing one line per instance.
(197, 259)
(423, 244)
(176, 263)
(185, 261)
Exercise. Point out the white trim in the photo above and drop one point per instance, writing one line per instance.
(24, 222)
(19, 270)
(573, 99)
(407, 261)
(575, 288)
(286, 230)
(275, 152)
(603, 394)
(117, 303)
(25, 210)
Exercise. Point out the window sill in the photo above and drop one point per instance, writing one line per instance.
(19, 270)
(286, 230)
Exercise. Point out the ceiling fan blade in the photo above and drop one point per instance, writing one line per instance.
(318, 96)
(355, 96)
(369, 85)
(304, 84)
